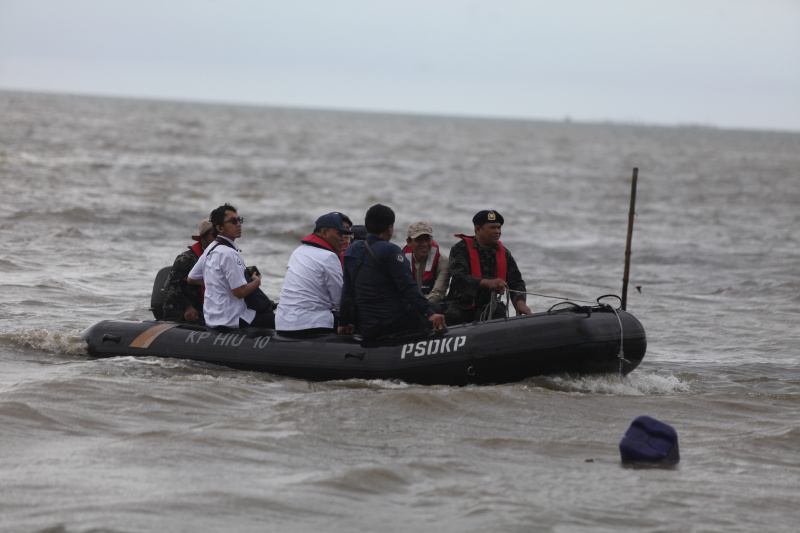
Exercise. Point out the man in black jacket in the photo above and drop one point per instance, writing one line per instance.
(379, 295)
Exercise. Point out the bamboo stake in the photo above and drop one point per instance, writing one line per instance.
(631, 214)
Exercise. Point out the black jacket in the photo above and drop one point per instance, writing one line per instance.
(380, 293)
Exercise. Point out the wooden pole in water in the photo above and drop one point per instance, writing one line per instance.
(631, 214)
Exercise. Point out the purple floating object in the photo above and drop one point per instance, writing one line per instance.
(649, 442)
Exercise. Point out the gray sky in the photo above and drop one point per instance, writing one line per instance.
(727, 63)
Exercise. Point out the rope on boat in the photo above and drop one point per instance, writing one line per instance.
(488, 311)
(620, 355)
(549, 296)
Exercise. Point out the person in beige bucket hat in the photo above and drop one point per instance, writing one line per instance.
(429, 267)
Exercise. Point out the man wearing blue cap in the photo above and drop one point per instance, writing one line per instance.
(481, 269)
(312, 289)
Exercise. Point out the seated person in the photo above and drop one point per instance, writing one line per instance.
(221, 269)
(379, 296)
(184, 302)
(346, 237)
(312, 289)
(481, 268)
(429, 268)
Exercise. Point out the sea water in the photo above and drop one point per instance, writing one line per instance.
(101, 193)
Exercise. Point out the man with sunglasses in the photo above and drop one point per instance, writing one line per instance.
(221, 269)
(312, 288)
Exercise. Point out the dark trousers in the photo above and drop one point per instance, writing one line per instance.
(305, 333)
(262, 320)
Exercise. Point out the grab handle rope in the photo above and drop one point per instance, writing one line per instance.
(549, 296)
(621, 354)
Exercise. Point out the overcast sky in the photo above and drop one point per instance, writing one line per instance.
(726, 63)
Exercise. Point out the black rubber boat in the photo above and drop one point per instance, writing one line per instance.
(567, 339)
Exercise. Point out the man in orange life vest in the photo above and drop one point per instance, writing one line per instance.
(429, 267)
(481, 267)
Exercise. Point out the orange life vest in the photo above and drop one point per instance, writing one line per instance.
(475, 262)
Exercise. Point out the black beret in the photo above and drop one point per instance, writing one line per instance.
(487, 216)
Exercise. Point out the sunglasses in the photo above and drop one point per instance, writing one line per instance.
(234, 220)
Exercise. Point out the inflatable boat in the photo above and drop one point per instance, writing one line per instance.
(568, 338)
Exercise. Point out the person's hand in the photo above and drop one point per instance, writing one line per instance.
(522, 308)
(190, 314)
(496, 285)
(257, 279)
(346, 330)
(437, 321)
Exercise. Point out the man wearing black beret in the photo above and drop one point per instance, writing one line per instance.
(482, 268)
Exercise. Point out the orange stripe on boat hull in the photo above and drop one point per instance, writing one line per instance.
(149, 335)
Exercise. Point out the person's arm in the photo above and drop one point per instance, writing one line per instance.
(522, 308)
(347, 311)
(437, 322)
(332, 277)
(231, 265)
(464, 286)
(245, 290)
(516, 283)
(442, 282)
(400, 272)
(496, 285)
(176, 287)
(195, 276)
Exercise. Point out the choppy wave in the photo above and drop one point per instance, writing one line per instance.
(47, 340)
(634, 384)
(120, 185)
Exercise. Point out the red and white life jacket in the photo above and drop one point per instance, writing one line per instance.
(429, 276)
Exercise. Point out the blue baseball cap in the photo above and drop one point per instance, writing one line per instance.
(332, 220)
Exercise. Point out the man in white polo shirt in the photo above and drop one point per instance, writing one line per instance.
(312, 288)
(221, 269)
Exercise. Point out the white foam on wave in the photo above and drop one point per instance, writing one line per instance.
(52, 341)
(637, 384)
